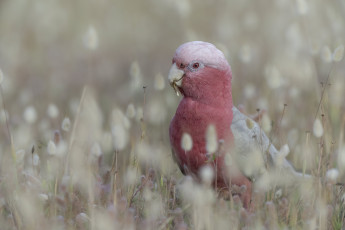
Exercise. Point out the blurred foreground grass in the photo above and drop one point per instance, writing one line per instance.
(98, 157)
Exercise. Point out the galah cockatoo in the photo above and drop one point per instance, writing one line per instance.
(208, 130)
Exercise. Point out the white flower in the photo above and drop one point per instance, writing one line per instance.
(246, 53)
(317, 128)
(228, 160)
(96, 150)
(130, 111)
(155, 114)
(274, 77)
(51, 148)
(61, 149)
(302, 6)
(53, 111)
(119, 118)
(332, 175)
(338, 53)
(30, 114)
(140, 114)
(159, 82)
(284, 151)
(186, 142)
(207, 174)
(131, 176)
(326, 54)
(120, 137)
(282, 154)
(43, 197)
(82, 218)
(249, 91)
(66, 124)
(266, 123)
(35, 160)
(91, 38)
(278, 193)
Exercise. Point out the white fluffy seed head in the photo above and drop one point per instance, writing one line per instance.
(35, 159)
(43, 197)
(82, 218)
(140, 114)
(120, 137)
(155, 114)
(30, 114)
(246, 53)
(282, 154)
(338, 53)
(61, 149)
(211, 139)
(332, 175)
(326, 54)
(131, 176)
(90, 39)
(207, 174)
(159, 82)
(266, 123)
(284, 150)
(228, 160)
(278, 193)
(249, 91)
(186, 142)
(66, 124)
(119, 118)
(96, 150)
(274, 77)
(317, 128)
(130, 112)
(51, 148)
(52, 111)
(302, 6)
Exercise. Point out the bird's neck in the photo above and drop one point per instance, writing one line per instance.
(221, 99)
(212, 88)
(195, 116)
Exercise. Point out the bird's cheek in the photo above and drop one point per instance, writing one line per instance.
(188, 81)
(184, 82)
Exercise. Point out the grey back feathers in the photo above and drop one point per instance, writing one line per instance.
(256, 157)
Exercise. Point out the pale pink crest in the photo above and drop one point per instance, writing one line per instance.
(204, 52)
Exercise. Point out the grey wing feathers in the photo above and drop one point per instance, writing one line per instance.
(253, 151)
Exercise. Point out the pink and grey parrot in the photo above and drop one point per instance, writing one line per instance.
(244, 154)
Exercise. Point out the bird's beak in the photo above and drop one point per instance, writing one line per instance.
(175, 78)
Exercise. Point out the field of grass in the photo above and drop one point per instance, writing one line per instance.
(85, 107)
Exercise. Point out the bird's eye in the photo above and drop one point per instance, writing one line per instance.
(196, 65)
(182, 66)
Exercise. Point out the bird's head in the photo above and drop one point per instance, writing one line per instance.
(201, 72)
